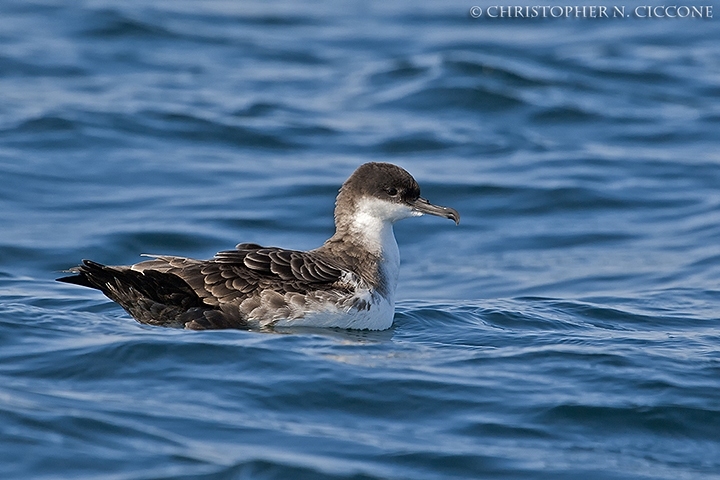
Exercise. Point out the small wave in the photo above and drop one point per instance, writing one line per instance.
(64, 130)
(258, 110)
(398, 71)
(495, 71)
(114, 23)
(158, 241)
(10, 67)
(45, 124)
(195, 128)
(526, 199)
(534, 315)
(561, 115)
(413, 144)
(438, 98)
(664, 420)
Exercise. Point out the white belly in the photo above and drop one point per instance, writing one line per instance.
(379, 316)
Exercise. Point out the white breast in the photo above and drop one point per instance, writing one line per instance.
(372, 224)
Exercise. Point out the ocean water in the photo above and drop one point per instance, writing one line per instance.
(568, 328)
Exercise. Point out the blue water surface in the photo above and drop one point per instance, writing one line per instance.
(568, 328)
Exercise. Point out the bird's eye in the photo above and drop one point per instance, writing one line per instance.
(392, 191)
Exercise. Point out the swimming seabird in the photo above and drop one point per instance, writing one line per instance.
(348, 282)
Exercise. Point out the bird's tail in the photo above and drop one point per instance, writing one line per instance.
(152, 297)
(80, 278)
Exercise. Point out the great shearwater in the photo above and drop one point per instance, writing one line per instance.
(348, 282)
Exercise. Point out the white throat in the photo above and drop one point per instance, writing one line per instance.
(372, 224)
